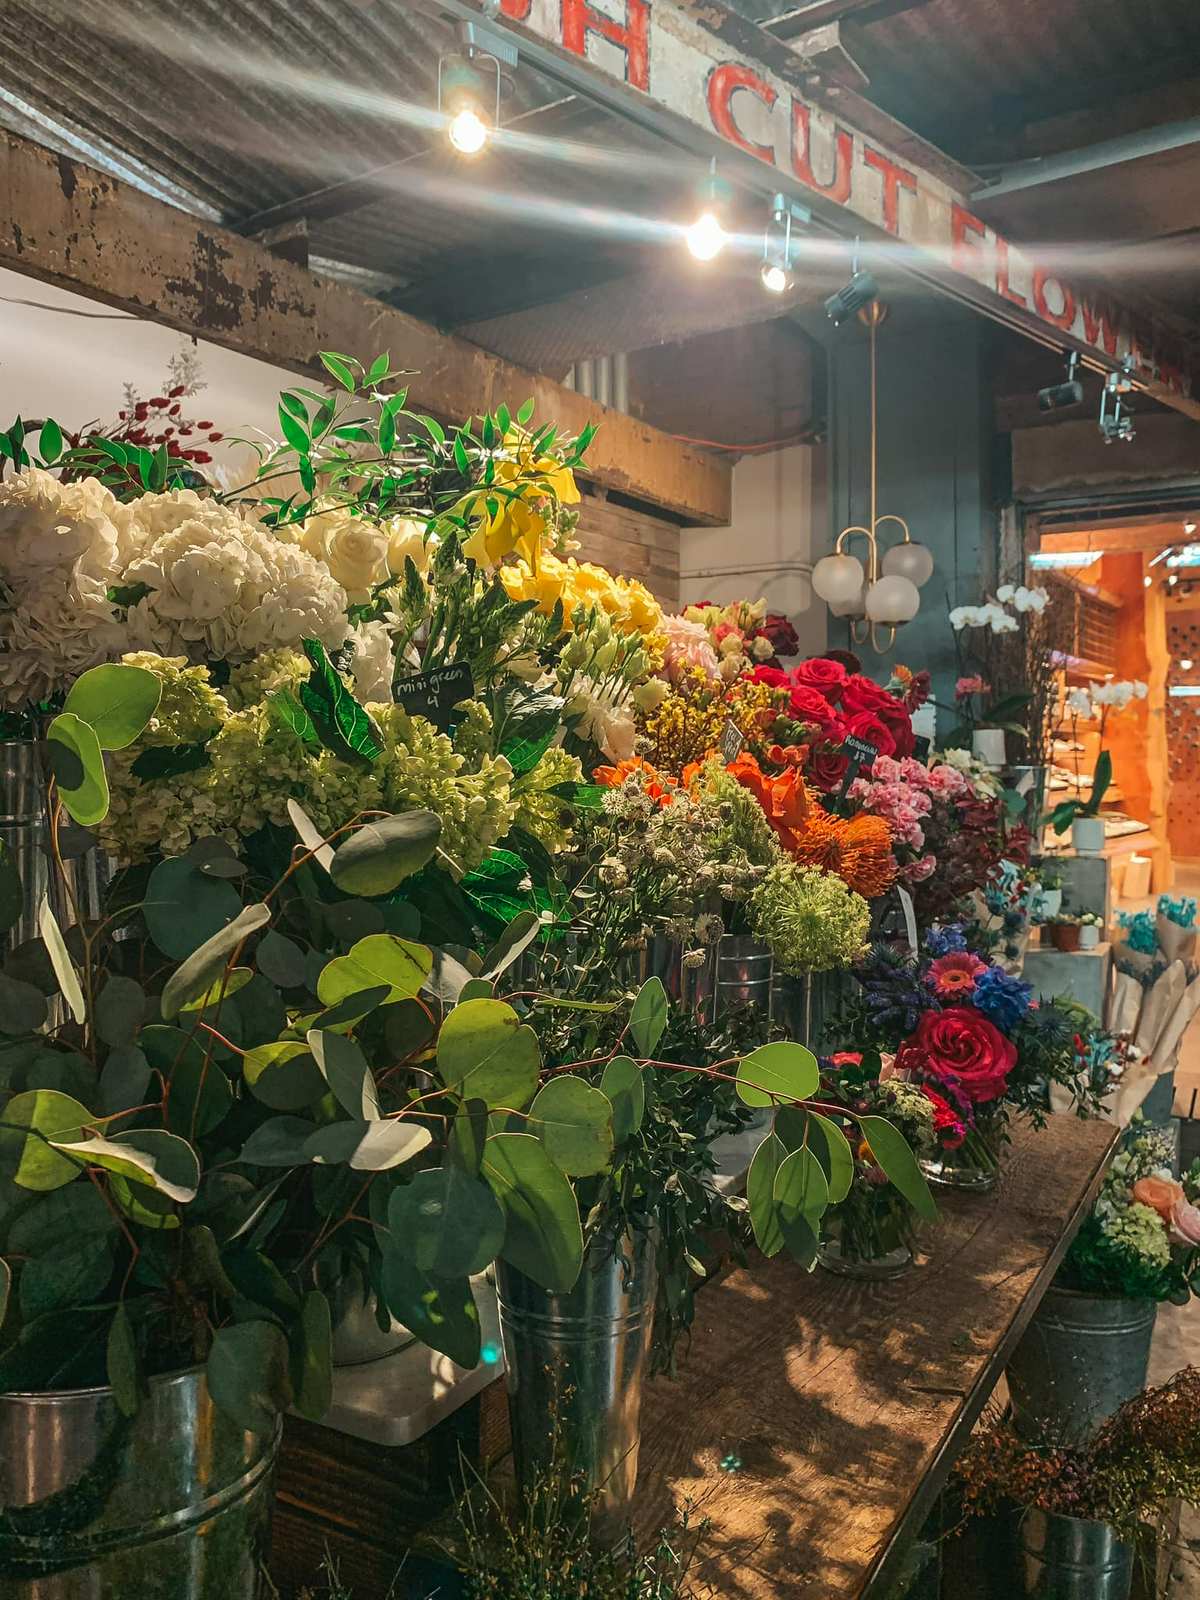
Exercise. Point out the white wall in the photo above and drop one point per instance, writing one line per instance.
(778, 499)
(72, 362)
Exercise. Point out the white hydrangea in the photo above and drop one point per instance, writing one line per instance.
(223, 587)
(373, 663)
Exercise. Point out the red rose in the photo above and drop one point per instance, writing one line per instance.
(860, 693)
(899, 724)
(827, 677)
(774, 677)
(808, 705)
(962, 1047)
(826, 767)
(867, 725)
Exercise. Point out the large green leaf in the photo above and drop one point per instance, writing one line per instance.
(74, 1273)
(648, 1019)
(760, 1195)
(442, 1313)
(184, 907)
(117, 701)
(197, 973)
(198, 1093)
(834, 1153)
(60, 960)
(891, 1150)
(543, 1237)
(367, 1146)
(311, 1358)
(801, 1188)
(347, 1073)
(575, 1123)
(77, 762)
(120, 1011)
(22, 1006)
(77, 1212)
(279, 1142)
(121, 1362)
(341, 723)
(34, 1163)
(283, 1075)
(124, 1080)
(783, 1071)
(485, 1052)
(446, 1222)
(280, 960)
(161, 1161)
(379, 959)
(248, 1375)
(379, 855)
(623, 1083)
(512, 943)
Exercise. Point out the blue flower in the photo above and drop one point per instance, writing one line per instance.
(1002, 997)
(945, 941)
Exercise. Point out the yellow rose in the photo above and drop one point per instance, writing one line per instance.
(354, 551)
(407, 539)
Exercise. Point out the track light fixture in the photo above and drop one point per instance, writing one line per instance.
(1114, 424)
(469, 87)
(858, 293)
(1061, 396)
(706, 237)
(776, 270)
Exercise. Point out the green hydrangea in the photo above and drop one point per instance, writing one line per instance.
(812, 921)
(189, 711)
(251, 682)
(474, 732)
(421, 768)
(548, 817)
(912, 1112)
(1139, 1230)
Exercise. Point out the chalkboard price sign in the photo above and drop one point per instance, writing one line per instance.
(435, 694)
(731, 742)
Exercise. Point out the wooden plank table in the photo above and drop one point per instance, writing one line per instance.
(815, 1418)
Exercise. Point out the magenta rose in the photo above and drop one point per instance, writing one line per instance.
(961, 1047)
(867, 725)
(827, 677)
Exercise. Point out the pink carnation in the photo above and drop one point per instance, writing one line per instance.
(917, 871)
(947, 781)
(688, 645)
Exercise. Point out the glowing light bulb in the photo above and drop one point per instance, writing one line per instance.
(773, 277)
(1189, 527)
(1186, 664)
(706, 238)
(1173, 580)
(468, 132)
(1148, 582)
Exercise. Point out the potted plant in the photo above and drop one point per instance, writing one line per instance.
(1048, 895)
(1088, 1345)
(1096, 702)
(870, 1232)
(1091, 924)
(1081, 1511)
(1012, 643)
(1065, 932)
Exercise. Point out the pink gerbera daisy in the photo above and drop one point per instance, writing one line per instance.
(953, 976)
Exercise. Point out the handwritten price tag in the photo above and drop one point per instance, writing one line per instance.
(435, 694)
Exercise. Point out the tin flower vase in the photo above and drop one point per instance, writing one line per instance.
(25, 835)
(976, 1162)
(869, 1234)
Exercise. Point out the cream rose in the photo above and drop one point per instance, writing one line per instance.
(355, 551)
(407, 539)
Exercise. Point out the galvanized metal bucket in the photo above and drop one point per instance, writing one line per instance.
(576, 1368)
(1067, 1558)
(737, 970)
(25, 834)
(171, 1504)
(1079, 1360)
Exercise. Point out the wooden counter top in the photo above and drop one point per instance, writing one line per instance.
(815, 1418)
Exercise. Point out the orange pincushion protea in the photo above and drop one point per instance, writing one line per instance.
(858, 849)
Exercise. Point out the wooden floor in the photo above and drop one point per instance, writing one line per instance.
(815, 1419)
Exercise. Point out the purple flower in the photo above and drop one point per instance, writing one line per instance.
(946, 941)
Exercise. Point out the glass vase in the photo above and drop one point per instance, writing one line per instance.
(976, 1162)
(868, 1235)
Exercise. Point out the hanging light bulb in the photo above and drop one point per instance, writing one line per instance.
(776, 269)
(893, 599)
(468, 132)
(469, 84)
(839, 579)
(706, 237)
(908, 560)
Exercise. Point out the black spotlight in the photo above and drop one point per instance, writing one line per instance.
(859, 292)
(1062, 396)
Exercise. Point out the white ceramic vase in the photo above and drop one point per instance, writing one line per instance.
(1087, 836)
(1089, 936)
(988, 745)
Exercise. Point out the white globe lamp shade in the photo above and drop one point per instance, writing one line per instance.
(893, 600)
(838, 580)
(909, 560)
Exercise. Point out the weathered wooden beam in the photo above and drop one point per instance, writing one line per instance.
(70, 225)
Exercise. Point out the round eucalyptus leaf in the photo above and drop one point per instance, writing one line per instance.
(446, 1222)
(33, 1162)
(381, 854)
(283, 1075)
(543, 1237)
(380, 959)
(351, 920)
(216, 857)
(442, 1313)
(575, 1123)
(73, 1273)
(184, 907)
(124, 1080)
(77, 763)
(783, 1071)
(149, 1156)
(248, 1375)
(120, 1010)
(485, 1052)
(22, 1006)
(368, 1146)
(202, 969)
(279, 1142)
(116, 700)
(280, 960)
(623, 1082)
(347, 1073)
